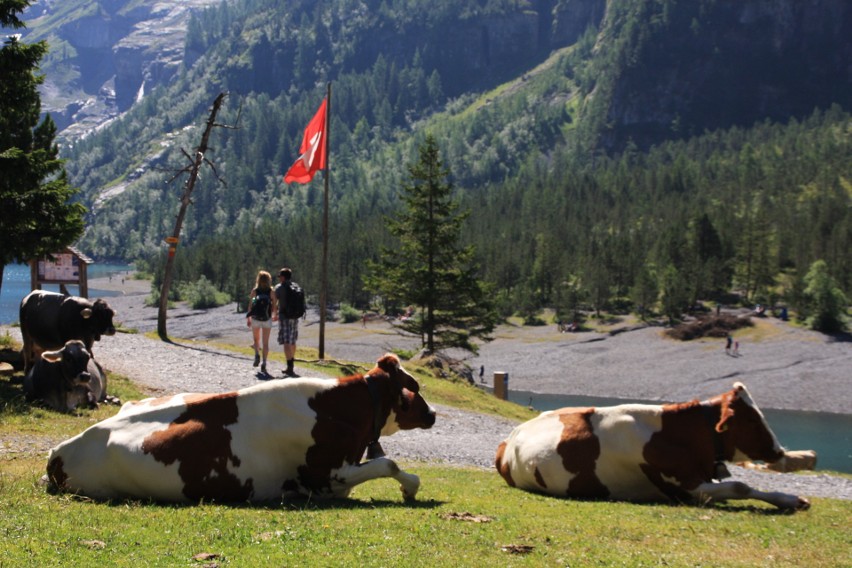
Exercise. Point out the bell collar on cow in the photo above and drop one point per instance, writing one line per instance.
(711, 415)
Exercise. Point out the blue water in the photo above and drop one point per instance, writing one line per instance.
(830, 435)
(16, 285)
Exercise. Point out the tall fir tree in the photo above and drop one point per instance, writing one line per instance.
(38, 216)
(431, 269)
(826, 302)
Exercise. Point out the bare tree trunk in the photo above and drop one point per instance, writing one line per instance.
(197, 160)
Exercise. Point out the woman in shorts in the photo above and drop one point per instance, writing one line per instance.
(262, 304)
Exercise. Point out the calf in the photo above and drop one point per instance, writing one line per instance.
(305, 436)
(48, 320)
(644, 452)
(66, 379)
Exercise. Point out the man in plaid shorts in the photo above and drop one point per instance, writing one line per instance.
(288, 329)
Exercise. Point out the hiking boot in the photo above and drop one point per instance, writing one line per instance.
(256, 359)
(263, 369)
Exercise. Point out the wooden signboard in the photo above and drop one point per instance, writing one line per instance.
(66, 267)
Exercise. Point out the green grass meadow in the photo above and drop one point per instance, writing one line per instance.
(462, 517)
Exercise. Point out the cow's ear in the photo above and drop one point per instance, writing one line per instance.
(390, 364)
(86, 313)
(52, 356)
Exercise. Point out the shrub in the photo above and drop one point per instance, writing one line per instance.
(349, 313)
(6, 341)
(710, 326)
(202, 295)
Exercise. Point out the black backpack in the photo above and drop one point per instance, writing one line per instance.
(261, 306)
(294, 301)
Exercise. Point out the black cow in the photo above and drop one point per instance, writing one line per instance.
(49, 320)
(66, 379)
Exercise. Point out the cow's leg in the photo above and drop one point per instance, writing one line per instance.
(374, 469)
(739, 490)
(27, 352)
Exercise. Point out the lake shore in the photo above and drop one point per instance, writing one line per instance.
(783, 366)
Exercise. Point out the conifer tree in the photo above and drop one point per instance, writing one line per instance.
(430, 269)
(825, 300)
(37, 217)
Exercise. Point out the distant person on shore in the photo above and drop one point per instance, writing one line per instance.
(729, 342)
(291, 306)
(262, 304)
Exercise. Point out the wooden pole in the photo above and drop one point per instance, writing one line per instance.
(324, 268)
(172, 241)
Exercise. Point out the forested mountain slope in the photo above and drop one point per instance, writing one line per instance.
(600, 144)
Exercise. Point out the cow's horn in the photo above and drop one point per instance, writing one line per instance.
(86, 313)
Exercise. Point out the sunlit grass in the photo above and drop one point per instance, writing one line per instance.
(463, 517)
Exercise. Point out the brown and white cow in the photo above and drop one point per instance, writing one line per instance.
(281, 438)
(642, 452)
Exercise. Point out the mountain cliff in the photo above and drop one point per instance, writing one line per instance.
(694, 66)
(105, 54)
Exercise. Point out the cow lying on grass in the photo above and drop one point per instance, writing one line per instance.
(642, 452)
(281, 438)
(66, 379)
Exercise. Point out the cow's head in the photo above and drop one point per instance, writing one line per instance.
(72, 361)
(100, 317)
(743, 426)
(410, 410)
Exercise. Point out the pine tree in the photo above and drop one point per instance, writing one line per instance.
(38, 217)
(430, 269)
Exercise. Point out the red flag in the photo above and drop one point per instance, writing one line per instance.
(312, 151)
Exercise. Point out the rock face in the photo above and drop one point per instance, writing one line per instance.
(106, 54)
(701, 66)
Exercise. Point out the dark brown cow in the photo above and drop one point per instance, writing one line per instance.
(644, 452)
(48, 320)
(304, 436)
(66, 379)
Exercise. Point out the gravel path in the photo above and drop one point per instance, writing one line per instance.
(636, 364)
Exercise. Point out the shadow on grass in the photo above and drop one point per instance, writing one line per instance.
(290, 504)
(12, 399)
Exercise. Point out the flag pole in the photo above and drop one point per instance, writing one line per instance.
(324, 270)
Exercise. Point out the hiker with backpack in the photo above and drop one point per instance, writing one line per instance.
(262, 306)
(291, 306)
